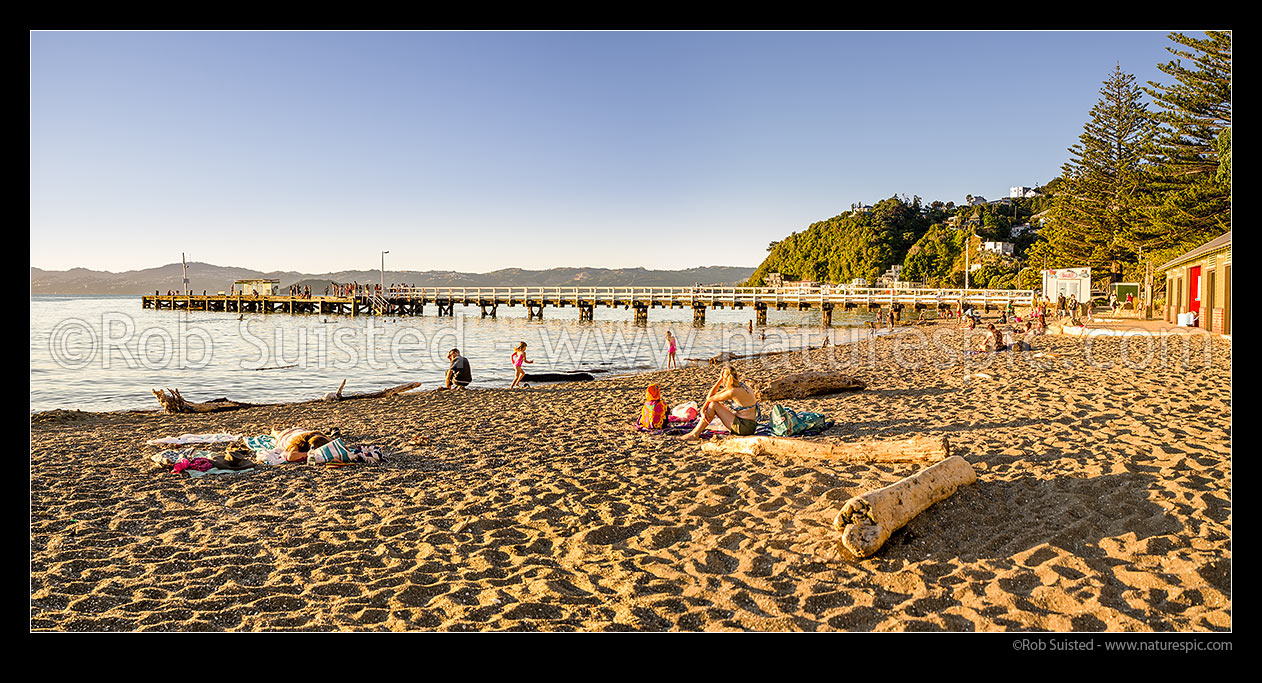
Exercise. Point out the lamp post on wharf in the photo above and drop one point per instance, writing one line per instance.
(383, 271)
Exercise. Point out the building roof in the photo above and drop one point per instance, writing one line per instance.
(1216, 244)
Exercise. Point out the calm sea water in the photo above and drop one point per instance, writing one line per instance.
(107, 353)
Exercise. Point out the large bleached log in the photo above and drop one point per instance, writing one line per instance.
(810, 383)
(867, 521)
(915, 449)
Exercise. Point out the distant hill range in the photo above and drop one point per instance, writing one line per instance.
(204, 276)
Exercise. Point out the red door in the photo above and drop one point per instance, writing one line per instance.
(1194, 290)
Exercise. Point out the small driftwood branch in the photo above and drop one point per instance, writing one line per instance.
(380, 394)
(867, 521)
(728, 356)
(915, 449)
(336, 395)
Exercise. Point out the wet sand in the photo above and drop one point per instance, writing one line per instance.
(1102, 504)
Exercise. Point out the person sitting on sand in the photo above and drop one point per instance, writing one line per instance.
(1027, 339)
(459, 375)
(985, 341)
(733, 402)
(519, 357)
(996, 339)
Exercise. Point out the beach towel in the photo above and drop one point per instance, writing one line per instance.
(371, 454)
(196, 464)
(184, 439)
(681, 428)
(168, 458)
(266, 442)
(214, 470)
(265, 450)
(653, 412)
(333, 451)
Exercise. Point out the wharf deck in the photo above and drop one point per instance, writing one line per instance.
(411, 301)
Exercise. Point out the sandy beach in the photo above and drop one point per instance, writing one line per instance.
(1102, 504)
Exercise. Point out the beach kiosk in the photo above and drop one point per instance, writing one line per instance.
(1075, 282)
(259, 287)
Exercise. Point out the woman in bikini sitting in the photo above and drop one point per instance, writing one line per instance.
(733, 402)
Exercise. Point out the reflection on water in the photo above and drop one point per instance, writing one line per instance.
(107, 353)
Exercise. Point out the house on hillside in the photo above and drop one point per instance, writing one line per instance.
(801, 285)
(1022, 193)
(1001, 248)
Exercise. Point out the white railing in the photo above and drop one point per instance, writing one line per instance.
(746, 296)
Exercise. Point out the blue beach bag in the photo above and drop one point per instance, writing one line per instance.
(785, 422)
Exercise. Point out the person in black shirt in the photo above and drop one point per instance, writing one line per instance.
(458, 375)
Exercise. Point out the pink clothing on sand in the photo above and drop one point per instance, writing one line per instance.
(518, 358)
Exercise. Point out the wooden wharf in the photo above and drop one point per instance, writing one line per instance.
(411, 301)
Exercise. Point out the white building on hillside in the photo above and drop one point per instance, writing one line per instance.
(1022, 192)
(1001, 248)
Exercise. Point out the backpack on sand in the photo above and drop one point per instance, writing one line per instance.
(785, 422)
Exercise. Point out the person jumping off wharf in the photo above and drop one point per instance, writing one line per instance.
(519, 357)
(740, 414)
(459, 375)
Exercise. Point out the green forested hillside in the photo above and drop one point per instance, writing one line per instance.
(896, 231)
(855, 244)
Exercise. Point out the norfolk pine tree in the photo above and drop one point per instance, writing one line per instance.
(1192, 198)
(1103, 182)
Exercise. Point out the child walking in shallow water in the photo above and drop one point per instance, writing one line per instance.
(519, 357)
(670, 351)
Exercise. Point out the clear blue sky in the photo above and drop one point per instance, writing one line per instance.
(315, 151)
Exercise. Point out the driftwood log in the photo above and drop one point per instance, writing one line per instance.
(810, 383)
(372, 394)
(728, 356)
(867, 521)
(172, 402)
(575, 376)
(915, 449)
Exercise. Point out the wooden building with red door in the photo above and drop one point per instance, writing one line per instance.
(1199, 283)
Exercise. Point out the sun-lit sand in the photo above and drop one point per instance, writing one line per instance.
(1102, 503)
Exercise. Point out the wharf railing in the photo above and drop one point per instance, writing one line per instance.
(711, 296)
